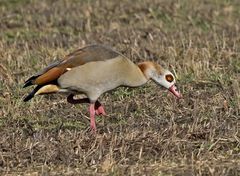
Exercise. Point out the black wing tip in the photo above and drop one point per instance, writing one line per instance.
(27, 83)
(29, 97)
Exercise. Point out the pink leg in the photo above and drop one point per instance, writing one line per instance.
(92, 117)
(100, 111)
(98, 107)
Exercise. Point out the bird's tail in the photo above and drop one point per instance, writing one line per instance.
(31, 95)
(46, 89)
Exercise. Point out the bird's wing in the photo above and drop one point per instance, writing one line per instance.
(79, 57)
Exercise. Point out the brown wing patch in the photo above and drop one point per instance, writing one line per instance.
(50, 75)
(89, 54)
(74, 59)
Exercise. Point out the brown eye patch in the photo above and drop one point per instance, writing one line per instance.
(169, 78)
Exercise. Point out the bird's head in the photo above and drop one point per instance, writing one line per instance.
(161, 76)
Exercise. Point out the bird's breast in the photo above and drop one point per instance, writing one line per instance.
(102, 76)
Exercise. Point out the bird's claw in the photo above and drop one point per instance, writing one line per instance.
(100, 111)
(93, 127)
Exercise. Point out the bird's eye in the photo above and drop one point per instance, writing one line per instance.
(169, 78)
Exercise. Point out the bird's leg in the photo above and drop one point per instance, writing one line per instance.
(92, 117)
(92, 109)
(99, 108)
(100, 111)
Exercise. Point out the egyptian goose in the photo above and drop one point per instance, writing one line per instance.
(94, 70)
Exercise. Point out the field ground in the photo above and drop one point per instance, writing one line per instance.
(147, 131)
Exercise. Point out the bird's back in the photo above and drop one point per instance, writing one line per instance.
(101, 76)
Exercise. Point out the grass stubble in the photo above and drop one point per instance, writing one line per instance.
(147, 131)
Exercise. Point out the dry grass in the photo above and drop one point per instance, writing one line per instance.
(147, 131)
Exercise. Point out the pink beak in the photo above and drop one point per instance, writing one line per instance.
(175, 92)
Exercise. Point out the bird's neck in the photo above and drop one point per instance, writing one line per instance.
(146, 68)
